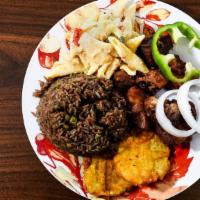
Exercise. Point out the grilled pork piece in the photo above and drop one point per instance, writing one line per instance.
(146, 53)
(150, 107)
(135, 97)
(164, 45)
(178, 66)
(122, 80)
(152, 81)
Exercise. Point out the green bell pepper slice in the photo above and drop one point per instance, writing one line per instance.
(176, 31)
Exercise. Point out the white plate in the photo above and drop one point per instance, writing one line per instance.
(57, 163)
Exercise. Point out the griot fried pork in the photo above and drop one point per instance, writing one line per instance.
(174, 115)
(164, 45)
(122, 80)
(152, 81)
(143, 104)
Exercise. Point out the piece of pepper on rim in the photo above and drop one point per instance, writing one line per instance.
(176, 31)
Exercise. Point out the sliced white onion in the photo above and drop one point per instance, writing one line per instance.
(164, 122)
(184, 106)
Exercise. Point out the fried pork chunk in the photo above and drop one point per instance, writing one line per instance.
(165, 43)
(178, 66)
(142, 159)
(136, 97)
(152, 81)
(101, 179)
(122, 80)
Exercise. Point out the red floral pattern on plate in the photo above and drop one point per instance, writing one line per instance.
(144, 4)
(158, 14)
(154, 16)
(46, 148)
(166, 189)
(47, 60)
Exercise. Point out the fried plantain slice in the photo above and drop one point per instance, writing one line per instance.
(142, 159)
(101, 179)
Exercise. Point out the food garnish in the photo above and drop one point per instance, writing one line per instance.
(183, 98)
(164, 122)
(176, 31)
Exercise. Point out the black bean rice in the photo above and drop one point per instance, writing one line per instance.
(82, 114)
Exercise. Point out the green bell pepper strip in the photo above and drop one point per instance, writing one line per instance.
(176, 31)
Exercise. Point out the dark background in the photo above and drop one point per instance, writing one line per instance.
(22, 25)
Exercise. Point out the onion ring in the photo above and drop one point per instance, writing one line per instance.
(184, 106)
(164, 122)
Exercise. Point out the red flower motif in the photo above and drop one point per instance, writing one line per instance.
(180, 166)
(68, 27)
(149, 28)
(112, 1)
(77, 36)
(153, 17)
(49, 51)
(148, 2)
(158, 14)
(181, 162)
(46, 148)
(144, 3)
(46, 59)
(138, 194)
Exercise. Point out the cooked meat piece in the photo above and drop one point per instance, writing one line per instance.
(152, 81)
(142, 121)
(171, 85)
(150, 106)
(122, 80)
(135, 97)
(146, 53)
(169, 139)
(165, 43)
(174, 115)
(172, 112)
(178, 67)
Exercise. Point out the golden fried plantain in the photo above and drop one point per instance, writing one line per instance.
(101, 179)
(142, 159)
